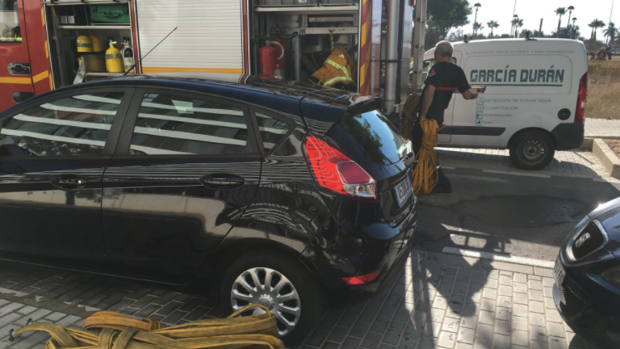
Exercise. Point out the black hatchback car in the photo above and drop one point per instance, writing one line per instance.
(277, 192)
(587, 276)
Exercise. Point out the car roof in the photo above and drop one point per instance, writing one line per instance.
(287, 96)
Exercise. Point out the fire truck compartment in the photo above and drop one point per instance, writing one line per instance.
(66, 21)
(307, 33)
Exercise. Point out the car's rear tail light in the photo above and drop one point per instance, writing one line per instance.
(335, 171)
(581, 99)
(362, 279)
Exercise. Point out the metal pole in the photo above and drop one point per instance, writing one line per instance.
(419, 36)
(473, 30)
(297, 50)
(540, 28)
(391, 56)
(612, 10)
(514, 9)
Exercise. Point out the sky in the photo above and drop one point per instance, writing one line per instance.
(531, 11)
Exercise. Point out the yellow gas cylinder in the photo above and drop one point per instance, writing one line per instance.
(84, 44)
(97, 45)
(113, 59)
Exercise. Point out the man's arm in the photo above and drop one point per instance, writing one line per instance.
(428, 100)
(470, 95)
(467, 94)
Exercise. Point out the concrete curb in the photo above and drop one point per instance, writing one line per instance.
(607, 157)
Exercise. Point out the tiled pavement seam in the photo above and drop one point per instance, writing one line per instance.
(438, 301)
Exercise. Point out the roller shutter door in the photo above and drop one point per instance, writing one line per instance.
(208, 38)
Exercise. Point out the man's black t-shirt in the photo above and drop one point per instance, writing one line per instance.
(446, 77)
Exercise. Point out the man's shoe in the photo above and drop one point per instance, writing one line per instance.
(441, 190)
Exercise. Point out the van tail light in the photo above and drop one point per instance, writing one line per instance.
(362, 279)
(581, 99)
(334, 171)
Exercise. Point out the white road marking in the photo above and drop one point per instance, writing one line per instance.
(500, 258)
(518, 173)
(606, 179)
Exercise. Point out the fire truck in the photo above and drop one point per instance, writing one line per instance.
(40, 47)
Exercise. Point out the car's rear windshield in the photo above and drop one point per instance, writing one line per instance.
(372, 135)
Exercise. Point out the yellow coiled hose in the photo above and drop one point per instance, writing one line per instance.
(425, 175)
(110, 330)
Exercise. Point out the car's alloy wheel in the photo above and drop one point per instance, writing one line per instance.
(270, 288)
(282, 284)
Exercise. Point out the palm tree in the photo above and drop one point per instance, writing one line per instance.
(492, 25)
(477, 26)
(560, 11)
(610, 32)
(591, 25)
(518, 23)
(597, 24)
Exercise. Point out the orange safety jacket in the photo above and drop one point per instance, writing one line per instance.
(338, 67)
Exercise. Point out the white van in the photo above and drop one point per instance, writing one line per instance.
(533, 104)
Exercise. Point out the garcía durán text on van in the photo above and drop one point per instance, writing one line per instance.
(514, 75)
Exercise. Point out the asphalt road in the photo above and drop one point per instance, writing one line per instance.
(515, 215)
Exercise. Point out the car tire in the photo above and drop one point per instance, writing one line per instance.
(304, 288)
(532, 150)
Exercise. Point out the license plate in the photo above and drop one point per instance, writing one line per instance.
(403, 191)
(559, 273)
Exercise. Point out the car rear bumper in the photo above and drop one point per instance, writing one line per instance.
(388, 275)
(381, 246)
(568, 136)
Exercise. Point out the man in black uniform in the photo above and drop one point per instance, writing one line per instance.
(443, 79)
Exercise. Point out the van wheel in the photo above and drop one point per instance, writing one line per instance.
(281, 284)
(532, 150)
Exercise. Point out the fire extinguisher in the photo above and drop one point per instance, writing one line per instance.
(267, 59)
(278, 43)
(127, 53)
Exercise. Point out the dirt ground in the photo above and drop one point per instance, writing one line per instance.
(614, 145)
(603, 90)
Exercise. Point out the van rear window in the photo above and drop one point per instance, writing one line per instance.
(373, 136)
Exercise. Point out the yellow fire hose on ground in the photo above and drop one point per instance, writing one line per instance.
(110, 330)
(425, 174)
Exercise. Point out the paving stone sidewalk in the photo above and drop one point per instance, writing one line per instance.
(571, 163)
(439, 301)
(601, 128)
(580, 163)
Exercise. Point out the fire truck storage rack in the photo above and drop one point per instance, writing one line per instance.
(316, 27)
(68, 19)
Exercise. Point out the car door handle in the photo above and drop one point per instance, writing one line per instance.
(19, 68)
(222, 181)
(69, 182)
